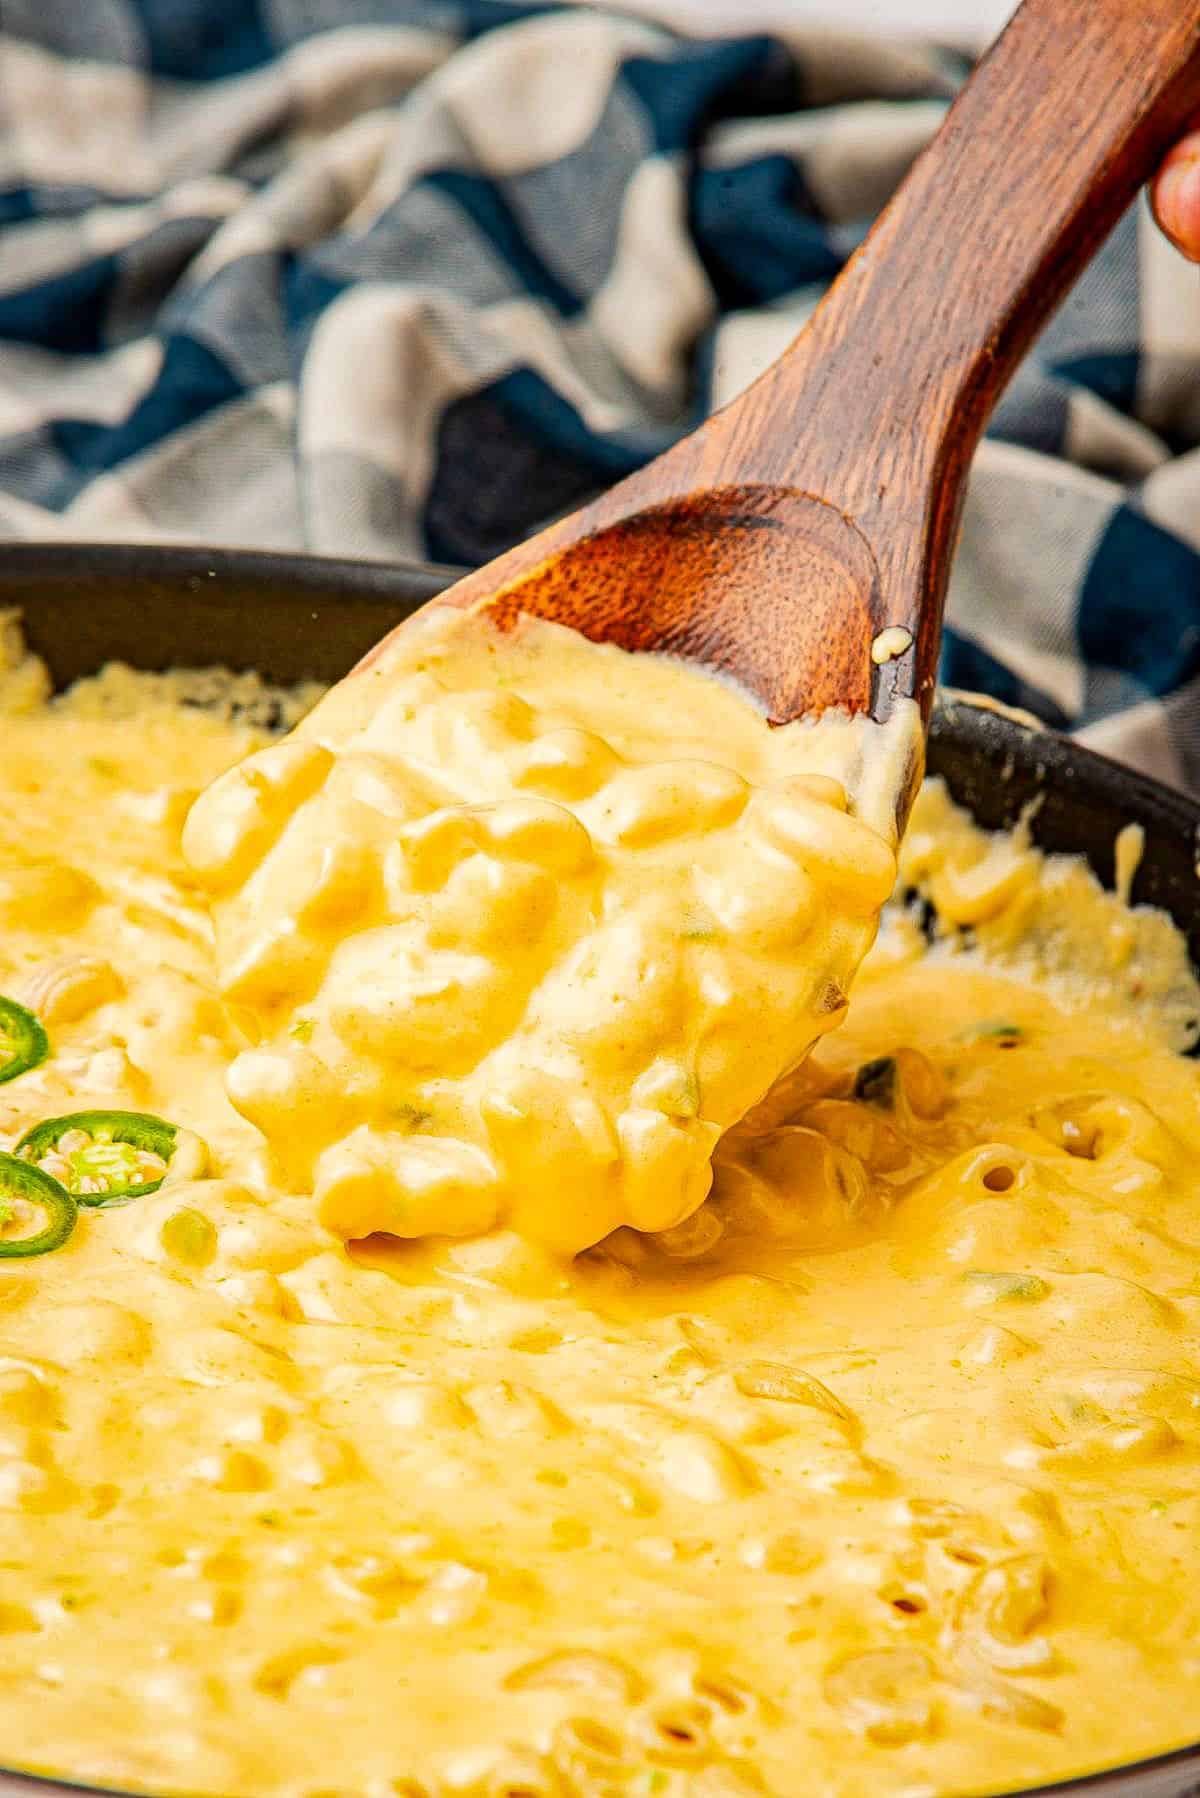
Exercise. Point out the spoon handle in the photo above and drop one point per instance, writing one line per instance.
(781, 539)
(880, 402)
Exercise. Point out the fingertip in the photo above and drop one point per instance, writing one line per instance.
(1175, 197)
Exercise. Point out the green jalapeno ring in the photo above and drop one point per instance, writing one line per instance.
(23, 1040)
(18, 1180)
(110, 1158)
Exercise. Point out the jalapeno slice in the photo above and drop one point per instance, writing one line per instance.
(102, 1157)
(23, 1041)
(29, 1197)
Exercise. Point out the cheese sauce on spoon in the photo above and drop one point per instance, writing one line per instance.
(522, 923)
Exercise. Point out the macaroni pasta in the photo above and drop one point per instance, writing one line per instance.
(877, 1474)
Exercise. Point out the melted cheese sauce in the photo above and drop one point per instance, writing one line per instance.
(883, 1464)
(521, 924)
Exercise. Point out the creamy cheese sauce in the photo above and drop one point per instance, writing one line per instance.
(883, 1464)
(523, 923)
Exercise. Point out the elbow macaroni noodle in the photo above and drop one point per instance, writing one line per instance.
(522, 924)
(875, 1475)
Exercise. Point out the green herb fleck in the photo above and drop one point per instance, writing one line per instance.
(1001, 1288)
(1004, 1034)
(697, 928)
(1157, 1506)
(302, 1030)
(1081, 1410)
(270, 1520)
(410, 1115)
(682, 1100)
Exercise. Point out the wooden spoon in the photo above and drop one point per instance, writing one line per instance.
(777, 542)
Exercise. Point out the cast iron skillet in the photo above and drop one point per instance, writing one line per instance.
(306, 618)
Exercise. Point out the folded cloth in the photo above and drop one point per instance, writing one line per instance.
(404, 278)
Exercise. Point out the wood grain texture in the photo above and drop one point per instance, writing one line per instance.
(823, 504)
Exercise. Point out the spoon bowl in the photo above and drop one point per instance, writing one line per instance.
(688, 578)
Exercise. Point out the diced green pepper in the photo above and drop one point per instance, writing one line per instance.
(189, 1236)
(1002, 1288)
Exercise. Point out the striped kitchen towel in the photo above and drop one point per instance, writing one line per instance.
(404, 278)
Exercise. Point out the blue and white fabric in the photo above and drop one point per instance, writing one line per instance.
(405, 278)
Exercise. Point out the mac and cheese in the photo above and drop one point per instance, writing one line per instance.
(878, 1474)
